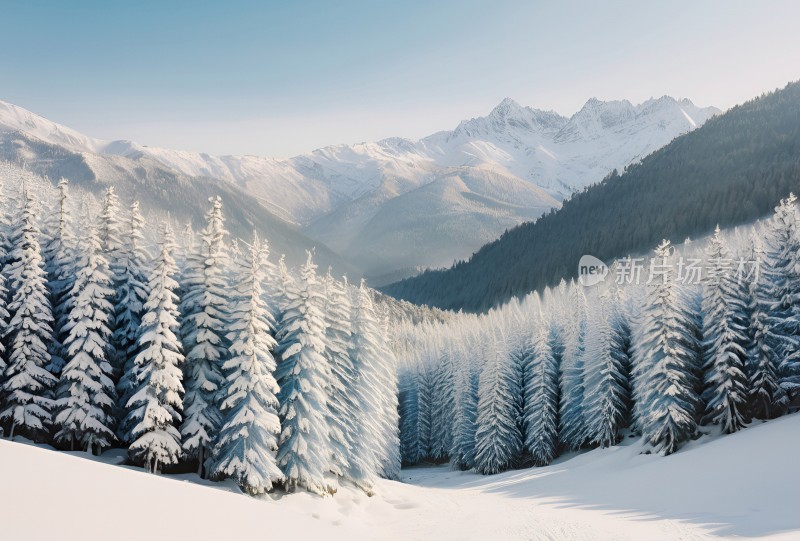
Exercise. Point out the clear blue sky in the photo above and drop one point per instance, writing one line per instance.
(279, 78)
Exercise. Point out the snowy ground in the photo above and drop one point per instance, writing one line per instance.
(744, 485)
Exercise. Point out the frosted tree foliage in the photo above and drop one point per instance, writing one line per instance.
(666, 361)
(766, 397)
(27, 386)
(304, 376)
(541, 397)
(607, 376)
(59, 256)
(497, 439)
(571, 412)
(154, 408)
(131, 295)
(248, 440)
(204, 310)
(725, 341)
(85, 394)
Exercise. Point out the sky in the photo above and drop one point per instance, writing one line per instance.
(278, 78)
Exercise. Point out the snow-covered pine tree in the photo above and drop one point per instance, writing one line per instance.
(724, 340)
(111, 239)
(154, 408)
(28, 385)
(409, 416)
(465, 417)
(767, 399)
(391, 461)
(348, 460)
(665, 359)
(131, 294)
(542, 397)
(572, 424)
(497, 438)
(85, 392)
(424, 410)
(204, 310)
(607, 395)
(442, 404)
(782, 287)
(304, 375)
(248, 440)
(377, 388)
(59, 256)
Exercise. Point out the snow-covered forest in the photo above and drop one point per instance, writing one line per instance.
(576, 367)
(188, 348)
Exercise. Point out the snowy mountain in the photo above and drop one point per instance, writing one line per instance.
(396, 205)
(51, 150)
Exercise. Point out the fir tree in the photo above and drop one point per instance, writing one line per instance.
(304, 375)
(85, 392)
(767, 399)
(343, 412)
(204, 312)
(497, 439)
(782, 287)
(607, 383)
(247, 442)
(666, 361)
(725, 340)
(542, 398)
(377, 388)
(409, 417)
(28, 385)
(465, 418)
(131, 295)
(154, 408)
(59, 255)
(111, 239)
(572, 426)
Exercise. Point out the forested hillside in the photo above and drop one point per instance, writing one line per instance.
(732, 170)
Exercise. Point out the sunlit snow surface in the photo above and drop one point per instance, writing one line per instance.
(743, 485)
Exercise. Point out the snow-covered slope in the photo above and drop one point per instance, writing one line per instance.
(743, 485)
(341, 194)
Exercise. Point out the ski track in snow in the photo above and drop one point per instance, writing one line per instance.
(615, 493)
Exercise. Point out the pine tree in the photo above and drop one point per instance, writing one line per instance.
(154, 408)
(767, 399)
(390, 460)
(442, 412)
(204, 311)
(247, 442)
(542, 398)
(572, 427)
(59, 255)
(497, 439)
(424, 411)
(666, 362)
(725, 340)
(607, 396)
(85, 392)
(304, 375)
(111, 235)
(342, 398)
(131, 295)
(782, 287)
(465, 418)
(377, 388)
(28, 385)
(409, 417)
